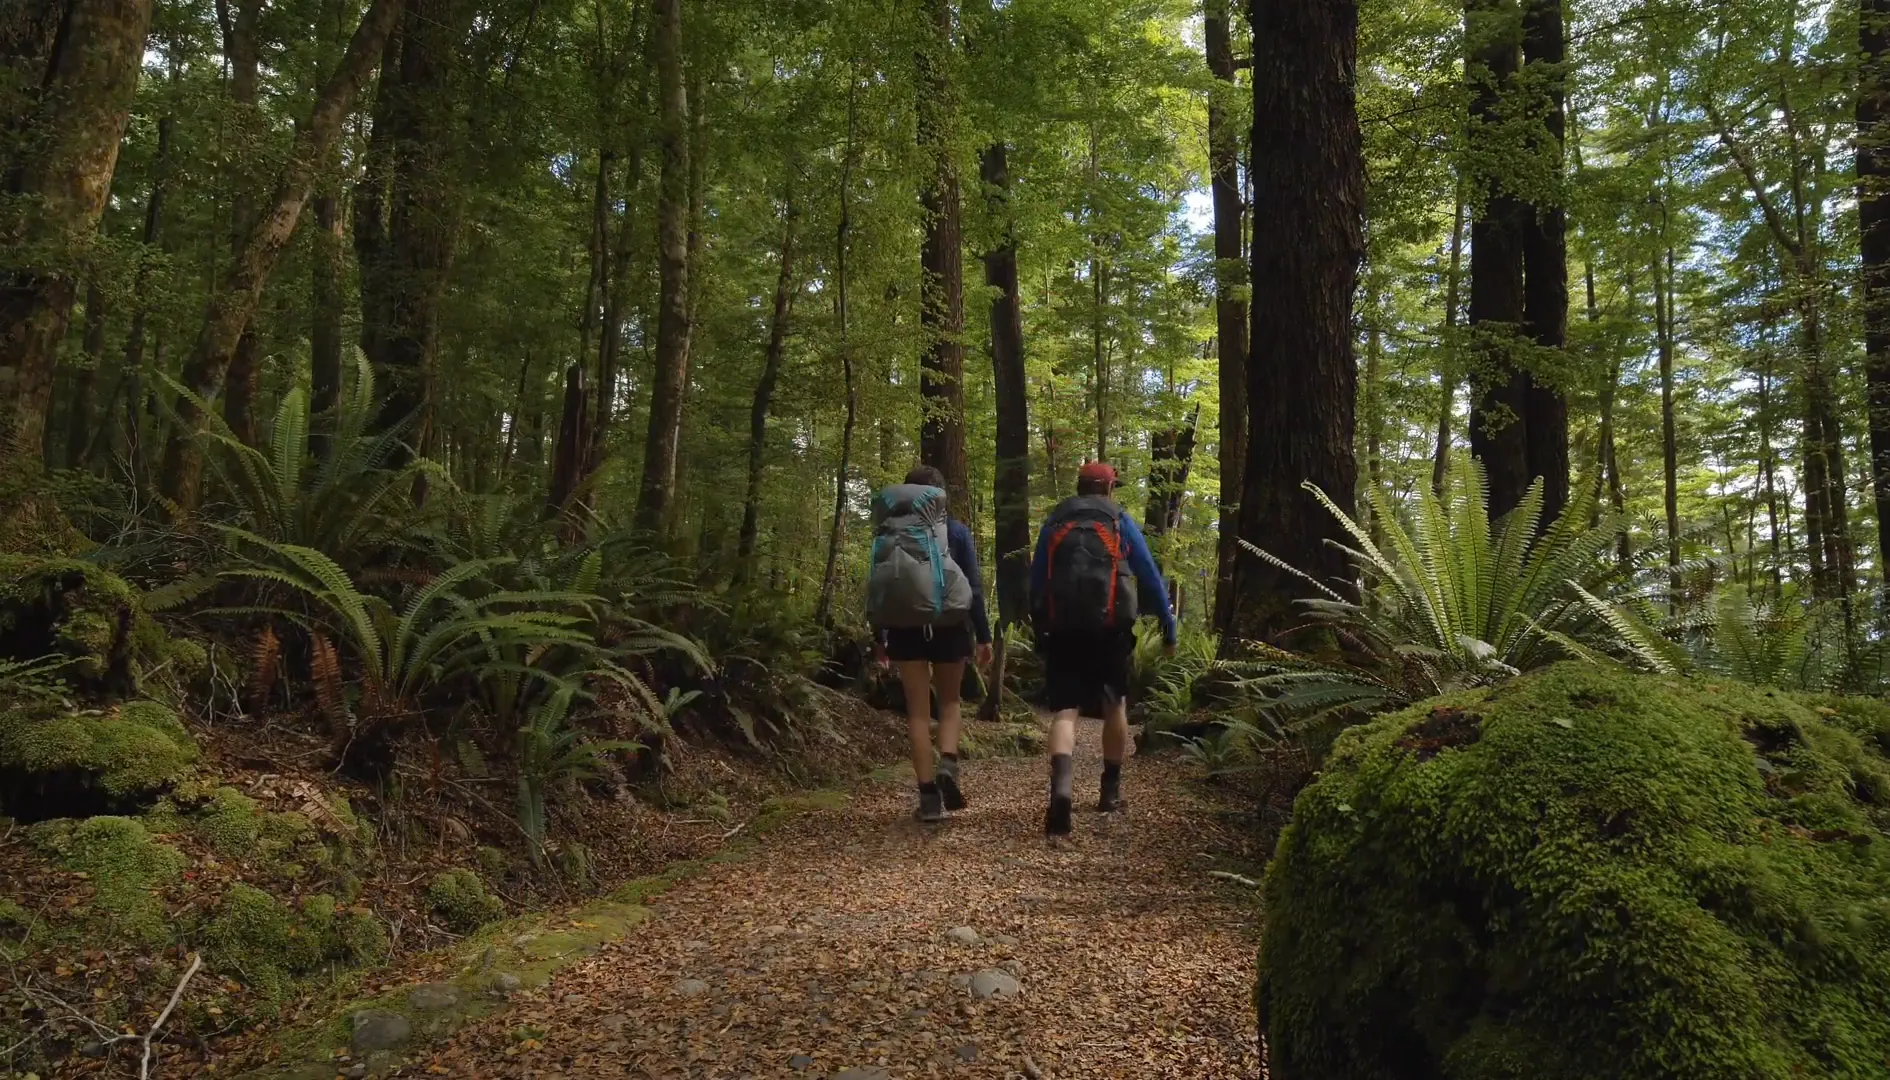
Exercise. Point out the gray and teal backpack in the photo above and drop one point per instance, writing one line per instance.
(913, 581)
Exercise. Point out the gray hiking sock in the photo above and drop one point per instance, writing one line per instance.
(1061, 768)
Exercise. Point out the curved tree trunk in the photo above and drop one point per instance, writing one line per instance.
(84, 56)
(231, 307)
(1308, 238)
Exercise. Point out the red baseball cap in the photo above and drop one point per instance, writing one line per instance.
(1097, 470)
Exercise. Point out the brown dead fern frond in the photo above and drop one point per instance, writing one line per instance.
(265, 659)
(325, 671)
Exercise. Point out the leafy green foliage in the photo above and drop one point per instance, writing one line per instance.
(553, 755)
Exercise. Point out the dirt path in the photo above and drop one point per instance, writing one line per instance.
(827, 954)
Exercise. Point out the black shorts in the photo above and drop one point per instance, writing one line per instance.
(933, 644)
(1087, 672)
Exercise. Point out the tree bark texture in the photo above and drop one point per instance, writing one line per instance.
(941, 265)
(231, 307)
(1308, 239)
(672, 319)
(1545, 257)
(325, 333)
(1447, 405)
(1012, 387)
(1230, 304)
(785, 289)
(407, 273)
(1499, 432)
(242, 51)
(1873, 219)
(86, 73)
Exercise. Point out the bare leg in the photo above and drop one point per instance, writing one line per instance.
(947, 680)
(1116, 731)
(916, 677)
(1063, 732)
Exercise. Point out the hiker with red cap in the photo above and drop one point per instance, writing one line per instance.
(1090, 557)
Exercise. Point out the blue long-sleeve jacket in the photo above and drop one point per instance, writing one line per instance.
(1141, 563)
(964, 552)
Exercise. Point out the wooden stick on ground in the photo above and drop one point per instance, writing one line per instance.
(144, 1067)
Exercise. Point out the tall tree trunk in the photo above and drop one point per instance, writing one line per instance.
(132, 362)
(325, 333)
(422, 233)
(1669, 437)
(1230, 304)
(1308, 238)
(231, 307)
(941, 265)
(1374, 419)
(1873, 221)
(843, 238)
(58, 187)
(1447, 405)
(1768, 468)
(242, 51)
(672, 321)
(785, 289)
(1499, 409)
(567, 458)
(1545, 254)
(1012, 390)
(616, 309)
(79, 420)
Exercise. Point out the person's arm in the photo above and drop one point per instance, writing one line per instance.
(965, 553)
(1142, 562)
(1040, 568)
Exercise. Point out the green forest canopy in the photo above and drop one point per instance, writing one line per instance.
(683, 263)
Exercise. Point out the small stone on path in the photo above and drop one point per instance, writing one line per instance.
(504, 984)
(689, 988)
(968, 1053)
(799, 1061)
(962, 935)
(994, 983)
(378, 1029)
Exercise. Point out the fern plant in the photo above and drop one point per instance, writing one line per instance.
(445, 630)
(349, 504)
(554, 754)
(1451, 601)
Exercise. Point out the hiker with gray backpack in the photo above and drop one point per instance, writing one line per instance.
(925, 601)
(1083, 600)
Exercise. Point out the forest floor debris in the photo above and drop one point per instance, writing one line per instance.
(827, 952)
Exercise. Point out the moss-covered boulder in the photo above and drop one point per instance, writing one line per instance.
(254, 937)
(56, 761)
(1584, 874)
(127, 868)
(459, 898)
(79, 612)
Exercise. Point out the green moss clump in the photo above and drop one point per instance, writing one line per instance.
(74, 609)
(1586, 874)
(460, 899)
(260, 939)
(125, 866)
(125, 755)
(13, 916)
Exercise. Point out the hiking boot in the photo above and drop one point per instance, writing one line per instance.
(1056, 821)
(948, 785)
(1111, 800)
(931, 809)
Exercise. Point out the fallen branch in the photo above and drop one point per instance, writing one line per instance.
(734, 830)
(1235, 878)
(144, 1067)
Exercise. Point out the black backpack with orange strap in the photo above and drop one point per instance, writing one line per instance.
(1090, 586)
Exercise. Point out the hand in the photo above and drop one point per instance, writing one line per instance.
(1168, 649)
(880, 658)
(984, 654)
